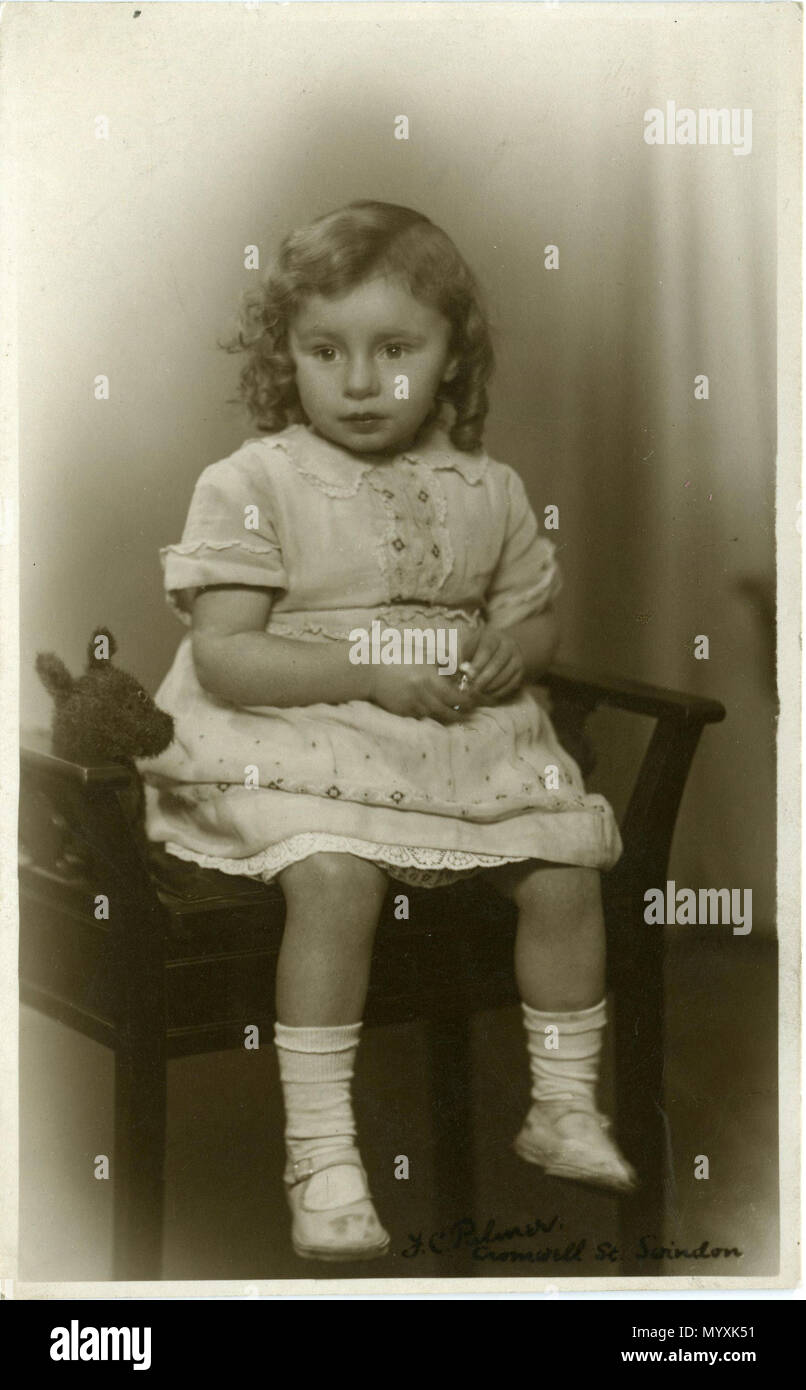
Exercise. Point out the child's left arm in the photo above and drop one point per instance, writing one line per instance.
(506, 657)
(519, 640)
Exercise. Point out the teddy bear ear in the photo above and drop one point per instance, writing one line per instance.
(54, 675)
(102, 647)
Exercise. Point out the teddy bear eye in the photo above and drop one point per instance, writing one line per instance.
(141, 695)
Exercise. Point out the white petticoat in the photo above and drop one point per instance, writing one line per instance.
(418, 867)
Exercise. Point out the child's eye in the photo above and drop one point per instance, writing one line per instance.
(394, 350)
(325, 354)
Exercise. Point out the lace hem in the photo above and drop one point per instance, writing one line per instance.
(417, 866)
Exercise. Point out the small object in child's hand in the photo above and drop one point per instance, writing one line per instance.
(467, 675)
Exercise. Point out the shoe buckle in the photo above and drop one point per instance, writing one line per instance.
(302, 1168)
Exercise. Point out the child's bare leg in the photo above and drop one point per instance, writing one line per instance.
(333, 902)
(560, 971)
(560, 945)
(332, 906)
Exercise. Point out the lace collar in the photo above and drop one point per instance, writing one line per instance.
(341, 473)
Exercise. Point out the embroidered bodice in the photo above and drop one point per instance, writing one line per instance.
(342, 539)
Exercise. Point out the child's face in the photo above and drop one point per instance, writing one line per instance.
(351, 352)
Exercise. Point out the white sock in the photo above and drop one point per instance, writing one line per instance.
(564, 1051)
(316, 1071)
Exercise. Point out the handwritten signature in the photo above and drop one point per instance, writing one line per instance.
(484, 1243)
(480, 1240)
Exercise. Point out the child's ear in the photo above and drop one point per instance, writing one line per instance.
(451, 369)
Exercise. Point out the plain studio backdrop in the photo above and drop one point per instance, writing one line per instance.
(230, 124)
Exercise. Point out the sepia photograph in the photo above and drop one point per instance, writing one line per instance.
(401, 594)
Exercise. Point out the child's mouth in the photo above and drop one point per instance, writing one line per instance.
(363, 421)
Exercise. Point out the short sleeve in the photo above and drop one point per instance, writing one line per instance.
(229, 537)
(527, 577)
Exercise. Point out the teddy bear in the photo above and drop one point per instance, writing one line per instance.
(104, 716)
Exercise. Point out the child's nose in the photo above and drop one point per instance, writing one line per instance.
(362, 378)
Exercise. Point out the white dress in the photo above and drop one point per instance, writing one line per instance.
(430, 538)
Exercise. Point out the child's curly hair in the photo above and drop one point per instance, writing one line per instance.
(331, 256)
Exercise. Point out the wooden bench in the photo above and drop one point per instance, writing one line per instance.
(188, 955)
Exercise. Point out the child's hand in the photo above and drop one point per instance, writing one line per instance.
(420, 692)
(493, 662)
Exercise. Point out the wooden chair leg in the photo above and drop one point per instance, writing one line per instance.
(636, 959)
(449, 1057)
(639, 1116)
(138, 1172)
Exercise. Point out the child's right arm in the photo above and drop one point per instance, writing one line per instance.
(238, 661)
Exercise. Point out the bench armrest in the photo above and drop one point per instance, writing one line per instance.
(36, 755)
(583, 688)
(569, 682)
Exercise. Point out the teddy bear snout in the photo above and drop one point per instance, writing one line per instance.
(158, 735)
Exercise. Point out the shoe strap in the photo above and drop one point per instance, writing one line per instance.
(602, 1120)
(554, 1115)
(304, 1168)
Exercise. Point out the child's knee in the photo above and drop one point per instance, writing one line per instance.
(566, 890)
(341, 880)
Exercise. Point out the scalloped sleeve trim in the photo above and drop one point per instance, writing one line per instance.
(527, 578)
(507, 610)
(191, 566)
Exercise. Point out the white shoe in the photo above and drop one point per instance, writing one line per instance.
(574, 1144)
(333, 1214)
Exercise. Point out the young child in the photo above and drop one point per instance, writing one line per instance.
(369, 497)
